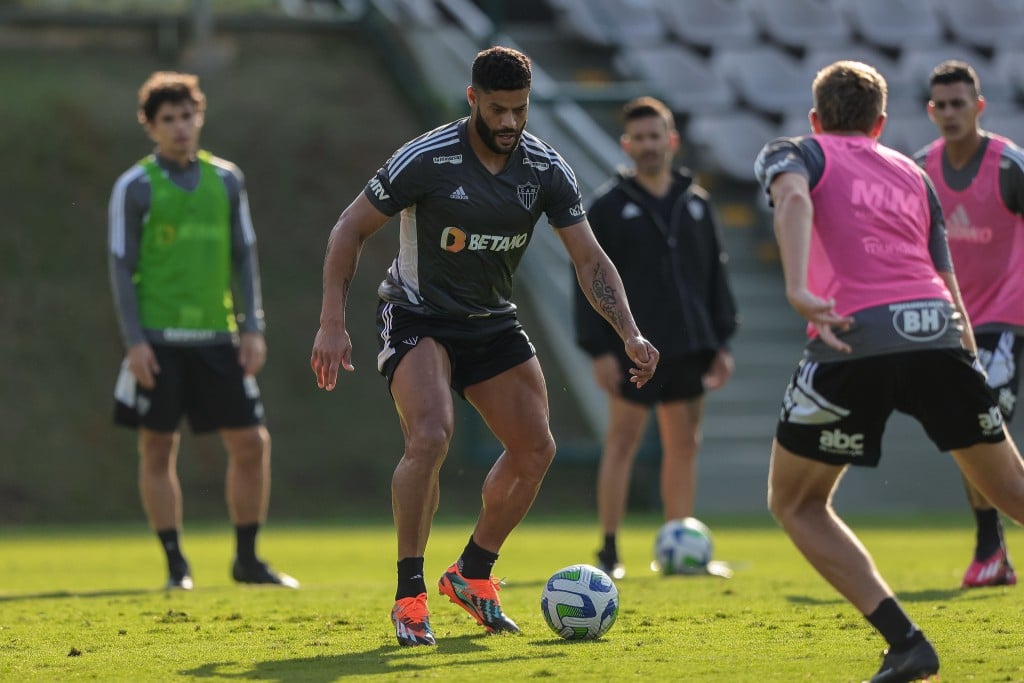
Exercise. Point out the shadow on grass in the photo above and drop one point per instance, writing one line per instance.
(386, 660)
(928, 595)
(59, 595)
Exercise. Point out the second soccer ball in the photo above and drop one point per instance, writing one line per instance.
(682, 546)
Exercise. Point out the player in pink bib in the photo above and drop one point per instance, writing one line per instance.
(979, 178)
(866, 262)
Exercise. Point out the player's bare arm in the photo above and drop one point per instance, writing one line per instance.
(791, 196)
(332, 348)
(600, 282)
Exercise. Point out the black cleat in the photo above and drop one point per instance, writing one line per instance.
(917, 663)
(610, 565)
(259, 572)
(180, 576)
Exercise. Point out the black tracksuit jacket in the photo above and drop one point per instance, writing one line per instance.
(673, 272)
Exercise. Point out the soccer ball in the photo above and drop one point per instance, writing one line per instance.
(683, 546)
(580, 602)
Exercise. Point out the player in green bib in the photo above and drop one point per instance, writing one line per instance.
(181, 240)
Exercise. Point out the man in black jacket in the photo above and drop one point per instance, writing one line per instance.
(656, 225)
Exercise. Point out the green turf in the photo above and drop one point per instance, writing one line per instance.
(80, 603)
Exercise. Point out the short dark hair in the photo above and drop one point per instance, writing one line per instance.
(954, 71)
(644, 107)
(849, 96)
(501, 68)
(168, 86)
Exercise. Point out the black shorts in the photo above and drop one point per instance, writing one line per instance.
(206, 383)
(836, 412)
(679, 378)
(473, 358)
(999, 354)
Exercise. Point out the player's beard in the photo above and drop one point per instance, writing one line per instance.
(489, 136)
(652, 163)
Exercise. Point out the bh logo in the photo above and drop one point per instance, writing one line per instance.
(920, 322)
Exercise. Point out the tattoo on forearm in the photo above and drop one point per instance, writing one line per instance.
(604, 296)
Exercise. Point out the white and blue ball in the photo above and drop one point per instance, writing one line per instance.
(682, 546)
(580, 602)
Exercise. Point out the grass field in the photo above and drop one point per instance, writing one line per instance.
(80, 603)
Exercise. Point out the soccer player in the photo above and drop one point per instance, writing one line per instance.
(864, 253)
(656, 225)
(979, 178)
(180, 235)
(469, 194)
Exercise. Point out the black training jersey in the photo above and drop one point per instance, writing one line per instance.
(464, 229)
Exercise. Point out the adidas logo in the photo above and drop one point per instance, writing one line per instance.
(959, 216)
(458, 194)
(411, 341)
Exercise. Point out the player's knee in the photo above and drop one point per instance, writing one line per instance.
(539, 455)
(783, 507)
(248, 447)
(156, 450)
(789, 507)
(429, 441)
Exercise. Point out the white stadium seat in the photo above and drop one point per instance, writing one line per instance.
(908, 132)
(684, 80)
(800, 23)
(902, 97)
(610, 23)
(1008, 124)
(984, 23)
(729, 143)
(894, 24)
(1008, 67)
(708, 23)
(917, 65)
(765, 78)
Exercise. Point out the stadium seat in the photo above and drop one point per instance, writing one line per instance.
(708, 24)
(418, 13)
(1008, 66)
(893, 24)
(983, 23)
(684, 80)
(902, 97)
(1009, 124)
(729, 143)
(610, 23)
(800, 23)
(794, 125)
(765, 78)
(908, 132)
(917, 63)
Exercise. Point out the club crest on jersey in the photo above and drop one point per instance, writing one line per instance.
(527, 194)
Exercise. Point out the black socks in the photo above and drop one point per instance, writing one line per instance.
(476, 562)
(609, 553)
(990, 533)
(895, 626)
(410, 578)
(245, 543)
(169, 542)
